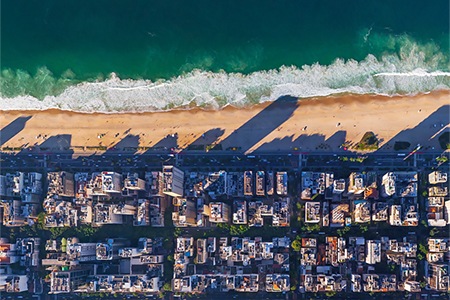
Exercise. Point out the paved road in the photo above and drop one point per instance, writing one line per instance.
(213, 159)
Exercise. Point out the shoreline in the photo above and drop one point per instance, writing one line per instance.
(210, 108)
(313, 124)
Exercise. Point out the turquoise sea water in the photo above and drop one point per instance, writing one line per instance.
(221, 51)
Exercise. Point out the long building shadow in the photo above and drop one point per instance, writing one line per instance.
(425, 133)
(337, 139)
(60, 142)
(207, 138)
(258, 127)
(306, 142)
(165, 144)
(129, 144)
(12, 129)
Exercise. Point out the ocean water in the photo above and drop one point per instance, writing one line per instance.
(112, 55)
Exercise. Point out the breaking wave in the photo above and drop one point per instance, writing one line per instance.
(412, 69)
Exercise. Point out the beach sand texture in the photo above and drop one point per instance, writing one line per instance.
(317, 124)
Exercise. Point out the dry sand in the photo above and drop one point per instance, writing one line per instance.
(329, 122)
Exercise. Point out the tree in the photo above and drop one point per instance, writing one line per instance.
(41, 220)
(296, 244)
(364, 228)
(433, 231)
(177, 232)
(57, 231)
(167, 287)
(238, 229)
(441, 159)
(423, 249)
(86, 230)
(343, 231)
(330, 294)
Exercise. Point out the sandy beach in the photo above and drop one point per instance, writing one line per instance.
(317, 124)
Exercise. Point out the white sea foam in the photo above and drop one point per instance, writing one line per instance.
(411, 72)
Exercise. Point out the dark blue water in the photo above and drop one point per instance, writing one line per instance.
(47, 46)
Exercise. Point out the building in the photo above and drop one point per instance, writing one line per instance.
(438, 191)
(241, 265)
(355, 283)
(21, 196)
(388, 184)
(106, 214)
(281, 214)
(8, 254)
(323, 283)
(373, 251)
(437, 276)
(339, 215)
(215, 184)
(260, 183)
(60, 185)
(67, 281)
(270, 184)
(436, 212)
(240, 212)
(356, 184)
(379, 283)
(308, 252)
(142, 216)
(312, 212)
(406, 184)
(338, 186)
(380, 211)
(68, 252)
(361, 211)
(173, 181)
(28, 249)
(111, 182)
(248, 183)
(255, 217)
(17, 213)
(109, 250)
(154, 183)
(412, 286)
(26, 186)
(104, 184)
(395, 213)
(282, 183)
(235, 184)
(133, 185)
(277, 283)
(314, 184)
(13, 283)
(219, 212)
(81, 252)
(410, 213)
(437, 177)
(185, 212)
